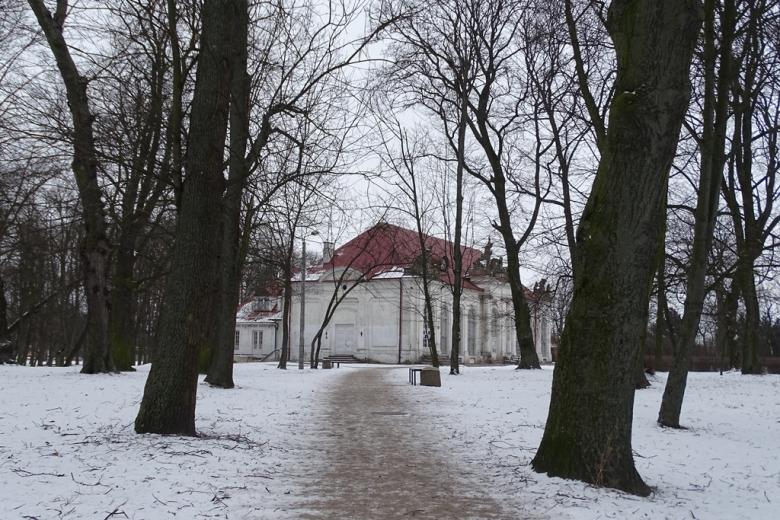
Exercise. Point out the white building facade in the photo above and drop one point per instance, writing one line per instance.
(257, 330)
(382, 320)
(374, 284)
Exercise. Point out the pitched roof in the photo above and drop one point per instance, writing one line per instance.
(253, 310)
(386, 248)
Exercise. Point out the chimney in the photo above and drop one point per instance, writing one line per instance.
(327, 252)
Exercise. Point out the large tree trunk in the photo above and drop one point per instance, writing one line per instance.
(95, 249)
(286, 308)
(457, 253)
(522, 313)
(497, 184)
(143, 189)
(123, 306)
(426, 280)
(6, 353)
(750, 337)
(726, 332)
(523, 332)
(588, 431)
(221, 369)
(168, 404)
(713, 142)
(429, 324)
(660, 323)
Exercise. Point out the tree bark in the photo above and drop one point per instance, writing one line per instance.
(286, 306)
(168, 404)
(221, 369)
(750, 174)
(457, 253)
(641, 382)
(726, 332)
(523, 332)
(713, 143)
(480, 128)
(143, 190)
(5, 347)
(660, 323)
(425, 271)
(750, 337)
(588, 430)
(522, 313)
(177, 93)
(95, 249)
(123, 306)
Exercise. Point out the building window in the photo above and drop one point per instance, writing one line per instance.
(238, 338)
(257, 340)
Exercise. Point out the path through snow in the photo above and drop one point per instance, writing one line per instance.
(373, 456)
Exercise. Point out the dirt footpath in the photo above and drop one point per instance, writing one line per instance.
(376, 460)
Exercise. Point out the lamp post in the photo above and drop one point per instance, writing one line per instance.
(303, 300)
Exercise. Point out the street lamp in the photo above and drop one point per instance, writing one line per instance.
(303, 298)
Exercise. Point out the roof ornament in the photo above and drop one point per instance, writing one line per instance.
(488, 252)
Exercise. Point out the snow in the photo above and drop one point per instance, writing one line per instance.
(311, 276)
(68, 450)
(724, 466)
(390, 274)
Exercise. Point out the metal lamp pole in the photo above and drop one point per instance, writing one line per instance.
(303, 303)
(303, 296)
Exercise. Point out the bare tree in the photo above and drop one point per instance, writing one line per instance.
(136, 149)
(717, 71)
(311, 58)
(404, 163)
(436, 67)
(750, 187)
(168, 405)
(95, 249)
(588, 430)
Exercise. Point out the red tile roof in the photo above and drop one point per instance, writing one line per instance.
(384, 247)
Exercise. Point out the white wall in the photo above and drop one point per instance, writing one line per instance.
(246, 344)
(366, 323)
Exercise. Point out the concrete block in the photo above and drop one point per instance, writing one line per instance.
(430, 377)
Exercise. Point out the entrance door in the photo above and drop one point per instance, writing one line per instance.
(344, 340)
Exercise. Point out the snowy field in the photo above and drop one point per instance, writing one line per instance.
(726, 465)
(67, 447)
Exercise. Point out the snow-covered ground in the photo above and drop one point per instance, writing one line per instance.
(725, 466)
(67, 447)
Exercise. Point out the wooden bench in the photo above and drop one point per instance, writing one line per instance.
(413, 375)
(337, 360)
